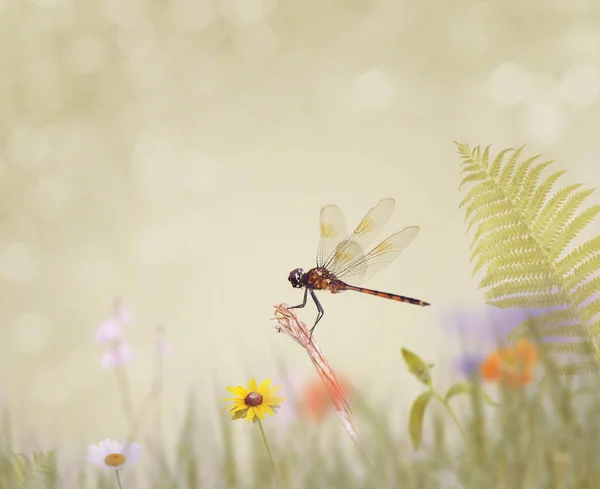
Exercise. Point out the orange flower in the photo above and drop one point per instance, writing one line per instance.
(315, 402)
(512, 365)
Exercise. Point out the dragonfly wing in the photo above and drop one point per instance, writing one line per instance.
(353, 247)
(333, 231)
(364, 267)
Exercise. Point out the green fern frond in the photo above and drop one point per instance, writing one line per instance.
(504, 221)
(483, 199)
(590, 310)
(520, 257)
(500, 240)
(29, 472)
(523, 272)
(550, 210)
(523, 227)
(539, 196)
(588, 250)
(532, 301)
(581, 348)
(591, 389)
(586, 291)
(497, 164)
(548, 324)
(478, 191)
(522, 172)
(528, 189)
(562, 331)
(578, 368)
(489, 210)
(584, 271)
(507, 170)
(564, 237)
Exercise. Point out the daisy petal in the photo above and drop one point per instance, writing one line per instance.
(122, 454)
(252, 385)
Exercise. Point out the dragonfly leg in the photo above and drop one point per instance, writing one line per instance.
(303, 302)
(319, 308)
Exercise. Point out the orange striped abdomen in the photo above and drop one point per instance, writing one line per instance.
(385, 295)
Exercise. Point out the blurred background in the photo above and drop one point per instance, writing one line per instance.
(176, 154)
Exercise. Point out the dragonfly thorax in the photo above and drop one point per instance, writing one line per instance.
(296, 277)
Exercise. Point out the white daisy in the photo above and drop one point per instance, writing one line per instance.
(113, 454)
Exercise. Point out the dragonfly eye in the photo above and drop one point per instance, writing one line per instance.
(295, 278)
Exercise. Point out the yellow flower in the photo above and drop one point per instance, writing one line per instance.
(252, 403)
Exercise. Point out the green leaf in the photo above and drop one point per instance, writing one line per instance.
(417, 414)
(466, 387)
(417, 366)
(239, 414)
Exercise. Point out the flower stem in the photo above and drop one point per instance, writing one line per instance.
(125, 394)
(450, 411)
(264, 437)
(154, 395)
(119, 480)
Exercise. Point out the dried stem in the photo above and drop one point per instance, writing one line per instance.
(288, 322)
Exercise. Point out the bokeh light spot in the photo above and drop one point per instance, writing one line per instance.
(580, 85)
(510, 84)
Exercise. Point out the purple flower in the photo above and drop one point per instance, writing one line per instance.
(112, 328)
(484, 325)
(479, 331)
(119, 353)
(468, 364)
(111, 333)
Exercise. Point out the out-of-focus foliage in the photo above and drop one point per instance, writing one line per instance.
(20, 471)
(537, 437)
(421, 370)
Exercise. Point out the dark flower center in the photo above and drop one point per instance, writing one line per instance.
(253, 399)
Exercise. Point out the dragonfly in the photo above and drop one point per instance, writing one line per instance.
(342, 263)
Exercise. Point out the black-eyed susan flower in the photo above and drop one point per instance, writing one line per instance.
(114, 455)
(255, 401)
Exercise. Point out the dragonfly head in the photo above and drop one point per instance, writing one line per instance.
(295, 277)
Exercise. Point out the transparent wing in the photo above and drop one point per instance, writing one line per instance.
(353, 247)
(365, 266)
(333, 231)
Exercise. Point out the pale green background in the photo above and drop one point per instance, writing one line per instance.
(177, 154)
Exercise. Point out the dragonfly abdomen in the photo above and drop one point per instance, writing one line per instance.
(385, 295)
